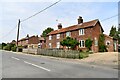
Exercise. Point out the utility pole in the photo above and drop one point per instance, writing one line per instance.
(18, 34)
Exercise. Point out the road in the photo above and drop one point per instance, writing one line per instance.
(27, 66)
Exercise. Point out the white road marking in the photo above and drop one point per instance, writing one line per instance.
(37, 66)
(15, 58)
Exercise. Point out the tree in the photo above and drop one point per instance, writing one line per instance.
(88, 43)
(3, 45)
(46, 31)
(101, 44)
(113, 32)
(69, 42)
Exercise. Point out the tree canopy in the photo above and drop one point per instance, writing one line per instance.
(69, 42)
(101, 44)
(114, 33)
(46, 31)
(88, 43)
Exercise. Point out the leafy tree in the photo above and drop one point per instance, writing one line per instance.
(46, 31)
(88, 43)
(69, 42)
(101, 44)
(3, 45)
(8, 46)
(113, 31)
(115, 34)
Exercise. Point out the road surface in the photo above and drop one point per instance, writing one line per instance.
(27, 66)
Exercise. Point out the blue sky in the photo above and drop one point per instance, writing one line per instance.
(65, 12)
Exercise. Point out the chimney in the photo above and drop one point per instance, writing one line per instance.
(80, 20)
(27, 35)
(59, 26)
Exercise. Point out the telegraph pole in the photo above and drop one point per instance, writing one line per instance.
(18, 34)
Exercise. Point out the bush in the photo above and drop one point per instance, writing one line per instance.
(8, 48)
(83, 55)
(14, 48)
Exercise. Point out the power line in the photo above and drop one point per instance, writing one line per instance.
(41, 11)
(9, 32)
(110, 17)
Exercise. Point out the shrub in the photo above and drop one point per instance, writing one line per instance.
(83, 55)
(14, 48)
(88, 43)
(101, 44)
(8, 48)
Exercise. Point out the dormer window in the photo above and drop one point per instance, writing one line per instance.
(81, 32)
(68, 34)
(50, 37)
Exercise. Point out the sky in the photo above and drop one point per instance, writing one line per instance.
(65, 12)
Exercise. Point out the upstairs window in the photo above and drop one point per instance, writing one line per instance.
(68, 34)
(50, 37)
(82, 43)
(81, 32)
(58, 36)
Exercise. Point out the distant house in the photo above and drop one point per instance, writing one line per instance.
(81, 31)
(41, 44)
(32, 42)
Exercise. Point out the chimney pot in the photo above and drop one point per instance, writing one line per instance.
(80, 20)
(59, 26)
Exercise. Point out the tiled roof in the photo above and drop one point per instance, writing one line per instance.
(108, 36)
(74, 27)
(26, 38)
(41, 38)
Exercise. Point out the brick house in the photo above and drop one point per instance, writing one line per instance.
(41, 43)
(32, 42)
(81, 31)
(29, 42)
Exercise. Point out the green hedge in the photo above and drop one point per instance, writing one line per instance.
(64, 54)
(14, 48)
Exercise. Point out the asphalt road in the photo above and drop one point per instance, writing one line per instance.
(26, 66)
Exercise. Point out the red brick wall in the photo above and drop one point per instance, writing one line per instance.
(33, 40)
(110, 47)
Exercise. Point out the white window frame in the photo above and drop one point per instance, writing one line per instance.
(58, 36)
(68, 34)
(50, 37)
(50, 45)
(96, 42)
(58, 45)
(81, 31)
(82, 46)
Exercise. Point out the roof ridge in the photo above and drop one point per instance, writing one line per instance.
(75, 26)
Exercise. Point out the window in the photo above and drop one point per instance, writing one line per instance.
(81, 32)
(82, 43)
(68, 34)
(107, 43)
(96, 42)
(50, 45)
(58, 36)
(50, 37)
(58, 45)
